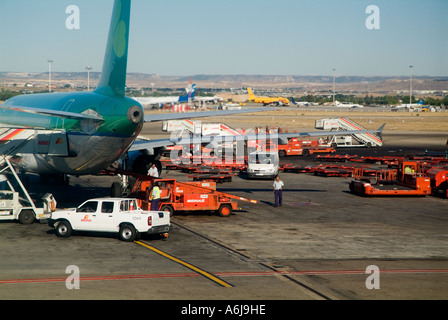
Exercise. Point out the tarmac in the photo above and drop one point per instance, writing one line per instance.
(317, 246)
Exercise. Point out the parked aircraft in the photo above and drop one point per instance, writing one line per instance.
(167, 99)
(81, 133)
(267, 100)
(410, 105)
(89, 130)
(347, 105)
(214, 99)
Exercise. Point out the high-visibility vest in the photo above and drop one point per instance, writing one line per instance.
(155, 192)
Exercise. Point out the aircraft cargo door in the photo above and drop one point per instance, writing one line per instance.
(53, 143)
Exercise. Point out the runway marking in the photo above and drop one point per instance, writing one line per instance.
(186, 264)
(221, 274)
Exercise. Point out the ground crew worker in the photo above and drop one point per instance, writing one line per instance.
(155, 197)
(153, 172)
(278, 187)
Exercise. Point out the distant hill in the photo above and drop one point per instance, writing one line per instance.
(303, 82)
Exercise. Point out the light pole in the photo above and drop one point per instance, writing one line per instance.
(334, 85)
(410, 86)
(49, 74)
(88, 68)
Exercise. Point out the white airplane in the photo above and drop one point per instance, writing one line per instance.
(300, 103)
(347, 105)
(410, 105)
(167, 99)
(214, 99)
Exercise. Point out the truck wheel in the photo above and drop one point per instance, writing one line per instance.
(169, 209)
(305, 152)
(281, 153)
(127, 233)
(26, 217)
(352, 186)
(63, 229)
(225, 210)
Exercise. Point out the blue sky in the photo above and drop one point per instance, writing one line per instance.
(189, 37)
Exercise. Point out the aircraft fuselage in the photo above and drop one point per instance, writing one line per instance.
(92, 144)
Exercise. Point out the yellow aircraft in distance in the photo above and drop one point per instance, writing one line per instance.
(267, 100)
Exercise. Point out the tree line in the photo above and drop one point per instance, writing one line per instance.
(371, 100)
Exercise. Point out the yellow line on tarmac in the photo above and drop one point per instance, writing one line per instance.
(185, 264)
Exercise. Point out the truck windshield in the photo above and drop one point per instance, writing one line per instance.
(263, 158)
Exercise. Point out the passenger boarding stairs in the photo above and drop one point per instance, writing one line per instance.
(32, 141)
(345, 124)
(368, 139)
(16, 141)
(12, 141)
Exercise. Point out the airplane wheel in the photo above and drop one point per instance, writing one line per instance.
(115, 190)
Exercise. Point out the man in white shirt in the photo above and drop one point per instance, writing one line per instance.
(278, 187)
(153, 172)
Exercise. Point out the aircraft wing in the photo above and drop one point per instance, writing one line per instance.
(201, 114)
(328, 133)
(244, 137)
(141, 145)
(150, 145)
(155, 100)
(55, 113)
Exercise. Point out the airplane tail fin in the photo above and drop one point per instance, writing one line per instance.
(251, 94)
(193, 90)
(113, 76)
(421, 101)
(189, 95)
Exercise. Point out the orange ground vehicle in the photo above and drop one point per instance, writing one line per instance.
(186, 196)
(297, 147)
(439, 180)
(409, 182)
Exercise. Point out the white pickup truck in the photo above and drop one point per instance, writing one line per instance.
(116, 215)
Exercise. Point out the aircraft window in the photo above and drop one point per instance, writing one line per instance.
(90, 206)
(107, 207)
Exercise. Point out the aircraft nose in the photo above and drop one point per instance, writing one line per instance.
(135, 114)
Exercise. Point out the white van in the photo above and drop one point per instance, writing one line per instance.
(262, 165)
